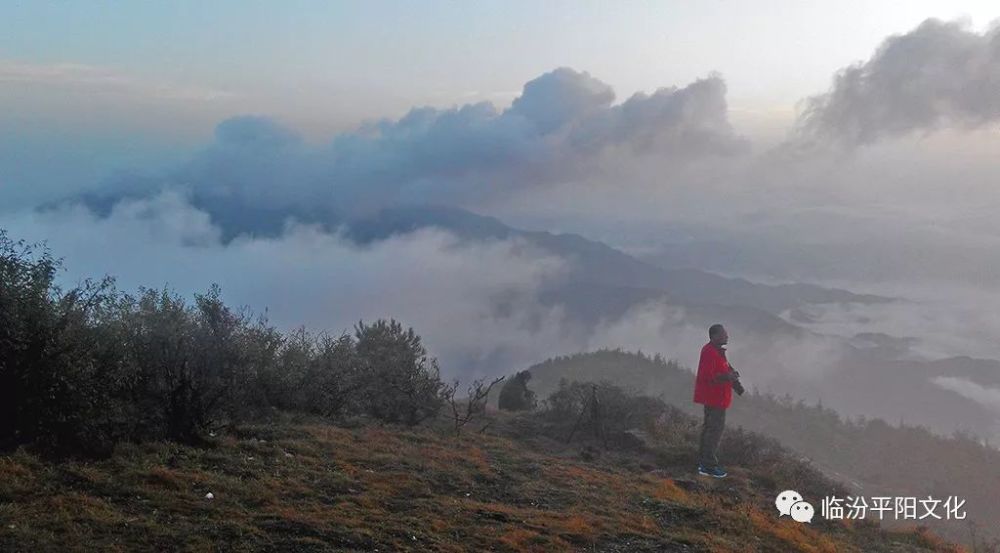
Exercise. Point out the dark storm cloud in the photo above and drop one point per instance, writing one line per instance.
(939, 74)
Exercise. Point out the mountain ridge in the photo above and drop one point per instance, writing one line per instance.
(599, 263)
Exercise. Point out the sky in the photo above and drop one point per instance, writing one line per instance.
(849, 143)
(91, 90)
(164, 73)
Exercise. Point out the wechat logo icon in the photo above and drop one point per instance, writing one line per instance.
(789, 502)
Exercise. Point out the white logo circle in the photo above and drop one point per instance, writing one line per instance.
(802, 512)
(785, 500)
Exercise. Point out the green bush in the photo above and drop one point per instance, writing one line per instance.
(399, 383)
(59, 372)
(193, 367)
(334, 377)
(604, 411)
(83, 369)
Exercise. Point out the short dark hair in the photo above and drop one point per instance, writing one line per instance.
(714, 330)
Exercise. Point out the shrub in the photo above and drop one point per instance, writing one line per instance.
(333, 378)
(515, 395)
(603, 410)
(58, 377)
(399, 383)
(473, 405)
(84, 369)
(192, 364)
(283, 379)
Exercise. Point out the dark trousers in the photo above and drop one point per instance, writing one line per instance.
(711, 434)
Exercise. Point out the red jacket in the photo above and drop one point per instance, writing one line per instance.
(706, 391)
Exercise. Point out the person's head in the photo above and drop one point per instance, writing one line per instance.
(717, 335)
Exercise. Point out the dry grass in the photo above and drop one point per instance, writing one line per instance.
(314, 487)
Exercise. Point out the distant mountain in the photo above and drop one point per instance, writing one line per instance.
(705, 287)
(606, 274)
(906, 390)
(615, 276)
(985, 372)
(590, 303)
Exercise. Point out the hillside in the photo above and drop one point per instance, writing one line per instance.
(870, 456)
(307, 487)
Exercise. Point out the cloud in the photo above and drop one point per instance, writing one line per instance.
(559, 98)
(938, 75)
(692, 120)
(475, 303)
(257, 174)
(102, 79)
(767, 360)
(937, 320)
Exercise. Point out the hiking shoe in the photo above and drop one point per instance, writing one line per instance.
(715, 472)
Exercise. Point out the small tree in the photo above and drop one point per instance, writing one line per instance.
(61, 383)
(400, 383)
(334, 377)
(286, 382)
(463, 411)
(193, 365)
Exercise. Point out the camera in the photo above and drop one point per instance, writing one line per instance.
(737, 385)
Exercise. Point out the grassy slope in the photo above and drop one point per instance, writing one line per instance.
(878, 460)
(315, 487)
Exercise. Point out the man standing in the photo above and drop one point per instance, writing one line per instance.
(713, 388)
